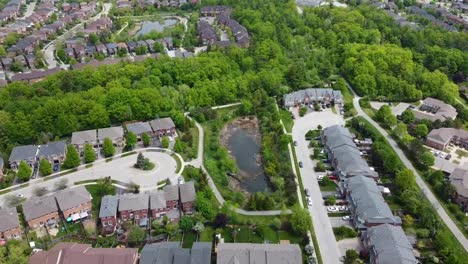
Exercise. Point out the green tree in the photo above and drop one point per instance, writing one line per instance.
(408, 116)
(385, 116)
(204, 206)
(178, 146)
(16, 67)
(89, 153)
(3, 52)
(405, 180)
(108, 148)
(300, 220)
(24, 171)
(302, 111)
(146, 140)
(186, 223)
(421, 130)
(172, 229)
(136, 235)
(131, 140)
(198, 227)
(350, 257)
(93, 38)
(165, 142)
(427, 159)
(331, 200)
(45, 168)
(73, 158)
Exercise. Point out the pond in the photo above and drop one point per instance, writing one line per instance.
(148, 26)
(243, 143)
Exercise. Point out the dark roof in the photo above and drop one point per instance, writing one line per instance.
(9, 218)
(34, 75)
(109, 205)
(171, 192)
(247, 253)
(162, 124)
(187, 192)
(23, 153)
(133, 202)
(139, 128)
(39, 206)
(70, 198)
(52, 148)
(172, 253)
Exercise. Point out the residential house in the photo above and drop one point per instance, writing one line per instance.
(366, 204)
(158, 205)
(108, 213)
(34, 76)
(31, 61)
(213, 10)
(122, 46)
(80, 51)
(6, 62)
(70, 52)
(81, 138)
(312, 95)
(459, 179)
(131, 45)
(207, 33)
(116, 134)
(139, 128)
(142, 44)
(187, 197)
(173, 253)
(54, 152)
(9, 225)
(248, 253)
(41, 211)
(74, 203)
(433, 109)
(171, 193)
(23, 153)
(387, 244)
(90, 50)
(112, 48)
(134, 207)
(440, 138)
(101, 48)
(163, 127)
(150, 44)
(68, 253)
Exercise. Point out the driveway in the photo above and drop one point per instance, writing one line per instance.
(396, 110)
(322, 226)
(120, 169)
(422, 185)
(338, 221)
(349, 243)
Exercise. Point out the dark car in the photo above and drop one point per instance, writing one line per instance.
(56, 167)
(295, 143)
(448, 157)
(307, 192)
(300, 164)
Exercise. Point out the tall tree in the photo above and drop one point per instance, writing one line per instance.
(131, 140)
(89, 153)
(300, 220)
(45, 168)
(73, 158)
(146, 140)
(108, 148)
(24, 171)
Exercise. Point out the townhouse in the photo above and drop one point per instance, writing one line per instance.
(309, 96)
(115, 134)
(206, 33)
(433, 109)
(459, 179)
(134, 207)
(163, 127)
(41, 211)
(139, 128)
(440, 138)
(108, 213)
(81, 138)
(74, 204)
(23, 153)
(187, 197)
(387, 244)
(34, 76)
(9, 225)
(248, 253)
(54, 152)
(173, 253)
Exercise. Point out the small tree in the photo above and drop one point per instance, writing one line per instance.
(172, 228)
(178, 146)
(186, 223)
(300, 221)
(45, 168)
(73, 158)
(350, 257)
(143, 163)
(89, 154)
(198, 227)
(108, 148)
(220, 220)
(146, 140)
(131, 140)
(302, 111)
(421, 130)
(331, 200)
(316, 107)
(24, 171)
(136, 235)
(165, 142)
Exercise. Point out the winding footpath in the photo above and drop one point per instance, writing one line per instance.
(422, 185)
(198, 163)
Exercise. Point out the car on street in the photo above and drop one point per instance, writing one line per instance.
(180, 180)
(295, 143)
(309, 201)
(300, 164)
(346, 218)
(307, 192)
(20, 196)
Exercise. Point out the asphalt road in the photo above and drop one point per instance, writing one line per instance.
(322, 225)
(422, 185)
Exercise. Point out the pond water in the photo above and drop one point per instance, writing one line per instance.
(245, 149)
(148, 26)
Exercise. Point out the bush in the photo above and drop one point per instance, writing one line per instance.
(302, 111)
(143, 163)
(331, 200)
(45, 168)
(24, 171)
(108, 148)
(343, 232)
(89, 154)
(320, 167)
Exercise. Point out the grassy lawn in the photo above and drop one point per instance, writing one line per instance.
(287, 119)
(461, 153)
(328, 188)
(206, 235)
(179, 163)
(189, 238)
(176, 238)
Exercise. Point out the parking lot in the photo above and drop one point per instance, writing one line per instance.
(322, 224)
(449, 159)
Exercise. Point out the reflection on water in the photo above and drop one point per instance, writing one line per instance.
(148, 26)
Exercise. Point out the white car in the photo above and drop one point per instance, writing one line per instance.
(20, 196)
(309, 201)
(332, 209)
(180, 180)
(441, 155)
(170, 139)
(343, 208)
(346, 218)
(319, 178)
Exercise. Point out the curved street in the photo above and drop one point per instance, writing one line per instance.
(422, 185)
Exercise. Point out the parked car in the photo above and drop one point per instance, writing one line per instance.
(56, 167)
(332, 209)
(180, 180)
(295, 143)
(309, 201)
(300, 164)
(319, 178)
(307, 192)
(448, 157)
(20, 196)
(333, 177)
(346, 218)
(442, 155)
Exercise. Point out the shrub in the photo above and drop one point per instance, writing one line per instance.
(343, 232)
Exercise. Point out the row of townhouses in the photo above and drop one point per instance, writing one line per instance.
(139, 208)
(381, 231)
(323, 96)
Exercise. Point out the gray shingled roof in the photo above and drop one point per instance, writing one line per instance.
(112, 133)
(139, 128)
(160, 253)
(39, 206)
(157, 200)
(171, 192)
(444, 135)
(247, 253)
(133, 202)
(201, 253)
(70, 198)
(23, 153)
(109, 205)
(162, 124)
(445, 111)
(52, 148)
(82, 137)
(312, 94)
(459, 179)
(187, 192)
(390, 244)
(9, 218)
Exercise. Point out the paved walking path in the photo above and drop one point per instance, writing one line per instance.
(422, 185)
(198, 162)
